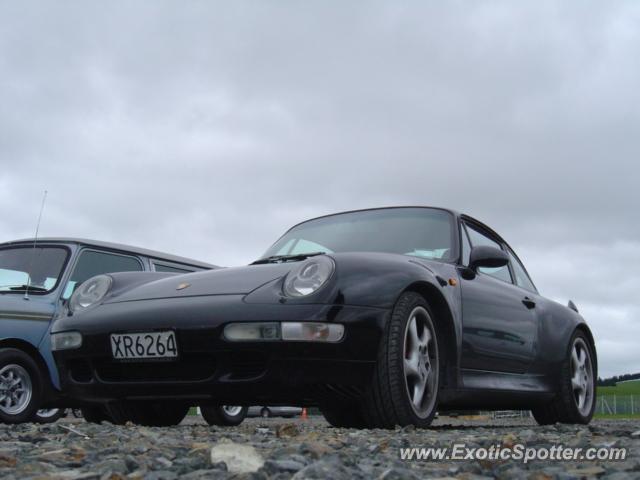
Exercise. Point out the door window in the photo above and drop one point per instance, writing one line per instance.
(92, 263)
(522, 279)
(466, 247)
(479, 239)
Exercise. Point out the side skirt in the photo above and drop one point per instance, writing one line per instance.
(497, 391)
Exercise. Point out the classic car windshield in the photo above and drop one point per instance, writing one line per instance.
(39, 267)
(421, 232)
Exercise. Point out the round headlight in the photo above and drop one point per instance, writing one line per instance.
(90, 292)
(309, 276)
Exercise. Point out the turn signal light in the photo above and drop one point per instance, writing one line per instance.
(287, 331)
(312, 332)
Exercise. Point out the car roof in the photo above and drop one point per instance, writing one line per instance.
(112, 246)
(455, 214)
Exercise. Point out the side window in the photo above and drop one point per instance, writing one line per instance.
(161, 267)
(92, 263)
(522, 279)
(480, 239)
(466, 246)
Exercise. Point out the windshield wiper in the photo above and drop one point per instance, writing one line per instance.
(22, 288)
(286, 258)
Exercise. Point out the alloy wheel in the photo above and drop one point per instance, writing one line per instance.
(421, 367)
(231, 410)
(582, 376)
(16, 389)
(47, 412)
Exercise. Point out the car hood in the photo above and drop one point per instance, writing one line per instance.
(224, 281)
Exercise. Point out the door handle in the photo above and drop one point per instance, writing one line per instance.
(528, 303)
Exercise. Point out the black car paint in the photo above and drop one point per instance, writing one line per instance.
(500, 332)
(499, 355)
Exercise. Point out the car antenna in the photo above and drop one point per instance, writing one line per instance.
(35, 243)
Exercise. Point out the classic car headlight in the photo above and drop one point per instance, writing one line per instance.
(90, 293)
(309, 276)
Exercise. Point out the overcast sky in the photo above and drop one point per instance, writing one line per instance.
(206, 129)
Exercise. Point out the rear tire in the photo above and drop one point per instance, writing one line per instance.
(575, 402)
(50, 415)
(223, 416)
(405, 385)
(20, 386)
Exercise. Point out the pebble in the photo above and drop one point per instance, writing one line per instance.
(587, 472)
(276, 466)
(287, 430)
(276, 449)
(238, 458)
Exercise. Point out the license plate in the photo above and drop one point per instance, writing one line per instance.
(127, 346)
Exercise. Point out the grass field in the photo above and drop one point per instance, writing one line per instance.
(625, 388)
(621, 401)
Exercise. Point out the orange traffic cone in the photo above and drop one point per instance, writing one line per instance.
(304, 415)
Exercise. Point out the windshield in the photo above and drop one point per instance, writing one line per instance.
(39, 267)
(420, 232)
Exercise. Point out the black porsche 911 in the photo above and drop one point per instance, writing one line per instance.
(378, 317)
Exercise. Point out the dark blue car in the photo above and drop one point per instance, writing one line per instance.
(35, 281)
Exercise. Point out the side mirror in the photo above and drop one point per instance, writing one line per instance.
(487, 257)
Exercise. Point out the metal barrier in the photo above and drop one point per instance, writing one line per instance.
(618, 404)
(605, 405)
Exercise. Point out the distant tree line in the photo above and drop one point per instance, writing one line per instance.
(611, 381)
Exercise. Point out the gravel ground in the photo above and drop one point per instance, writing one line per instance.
(283, 449)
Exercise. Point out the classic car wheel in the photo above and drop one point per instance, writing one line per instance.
(405, 384)
(20, 386)
(224, 415)
(49, 415)
(575, 402)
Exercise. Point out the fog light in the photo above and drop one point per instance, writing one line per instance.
(252, 331)
(66, 341)
(312, 332)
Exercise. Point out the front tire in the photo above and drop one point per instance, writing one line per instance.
(20, 386)
(406, 380)
(224, 415)
(575, 402)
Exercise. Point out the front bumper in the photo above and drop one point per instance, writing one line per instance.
(210, 369)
